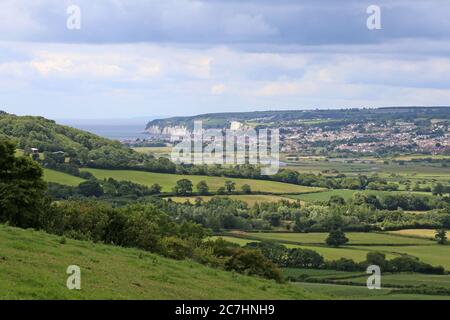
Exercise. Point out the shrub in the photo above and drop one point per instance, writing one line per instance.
(176, 248)
(252, 262)
(336, 238)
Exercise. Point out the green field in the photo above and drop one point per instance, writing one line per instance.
(424, 249)
(355, 238)
(249, 199)
(434, 255)
(355, 253)
(342, 283)
(418, 233)
(33, 266)
(408, 280)
(61, 177)
(423, 172)
(362, 293)
(346, 194)
(168, 181)
(154, 150)
(320, 273)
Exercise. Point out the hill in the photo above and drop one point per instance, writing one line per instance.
(82, 147)
(284, 118)
(33, 266)
(168, 181)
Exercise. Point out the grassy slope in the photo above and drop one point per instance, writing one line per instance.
(168, 181)
(61, 177)
(33, 266)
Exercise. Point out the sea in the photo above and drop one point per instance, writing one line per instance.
(111, 129)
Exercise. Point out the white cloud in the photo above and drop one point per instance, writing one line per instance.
(218, 89)
(194, 80)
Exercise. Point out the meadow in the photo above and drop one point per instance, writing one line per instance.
(249, 199)
(346, 194)
(355, 238)
(436, 255)
(160, 151)
(345, 292)
(418, 233)
(422, 172)
(407, 280)
(391, 245)
(168, 181)
(61, 178)
(33, 265)
(355, 253)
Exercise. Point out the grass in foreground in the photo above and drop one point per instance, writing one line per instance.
(168, 181)
(33, 266)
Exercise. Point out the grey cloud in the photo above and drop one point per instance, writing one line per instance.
(285, 22)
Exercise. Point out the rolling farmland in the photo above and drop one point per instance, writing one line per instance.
(168, 181)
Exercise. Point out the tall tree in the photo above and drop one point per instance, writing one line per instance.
(21, 188)
(230, 186)
(183, 187)
(438, 189)
(202, 187)
(336, 238)
(441, 236)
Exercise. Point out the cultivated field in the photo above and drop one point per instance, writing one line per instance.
(168, 181)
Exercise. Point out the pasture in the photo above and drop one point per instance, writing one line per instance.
(61, 178)
(249, 199)
(390, 244)
(436, 255)
(355, 253)
(154, 150)
(408, 280)
(324, 196)
(355, 238)
(168, 181)
(419, 233)
(343, 292)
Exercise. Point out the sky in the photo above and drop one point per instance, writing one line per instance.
(134, 58)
